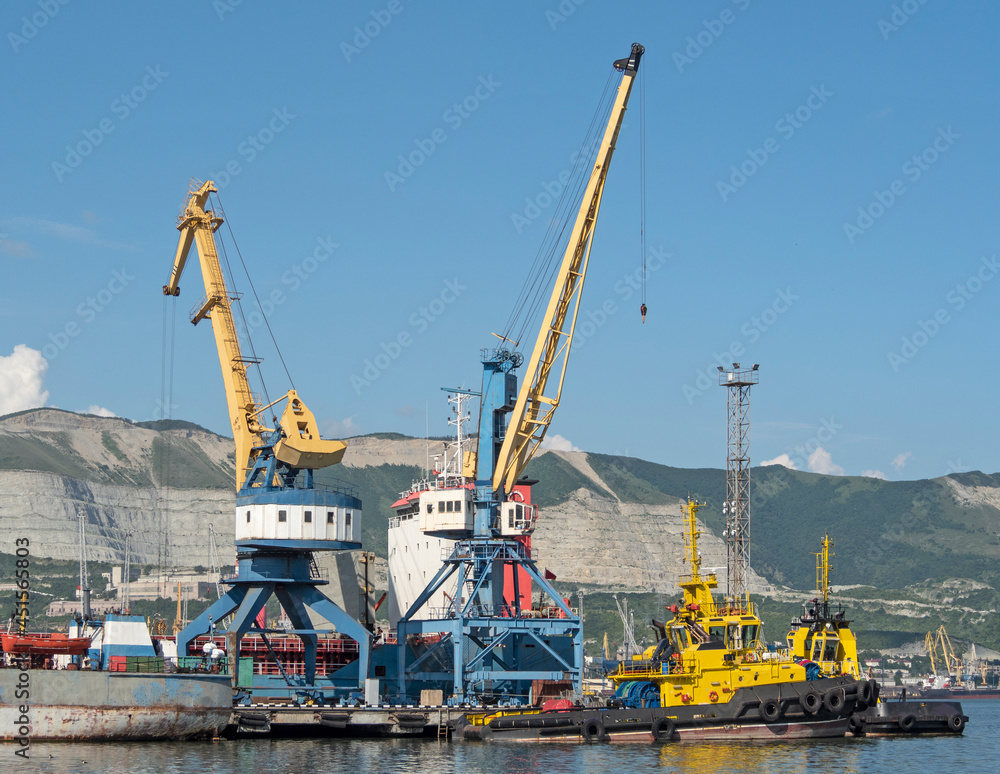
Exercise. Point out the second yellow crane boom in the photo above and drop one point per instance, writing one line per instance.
(537, 401)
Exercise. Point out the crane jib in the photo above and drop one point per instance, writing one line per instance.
(525, 430)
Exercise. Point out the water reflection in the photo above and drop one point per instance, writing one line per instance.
(973, 753)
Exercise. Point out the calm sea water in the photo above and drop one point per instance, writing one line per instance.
(977, 751)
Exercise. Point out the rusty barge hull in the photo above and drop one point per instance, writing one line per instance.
(51, 705)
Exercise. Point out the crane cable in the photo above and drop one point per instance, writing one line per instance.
(165, 413)
(540, 277)
(256, 298)
(642, 192)
(554, 242)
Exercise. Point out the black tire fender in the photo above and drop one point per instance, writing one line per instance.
(834, 699)
(865, 693)
(663, 730)
(593, 731)
(956, 723)
(907, 722)
(770, 710)
(856, 725)
(811, 702)
(876, 689)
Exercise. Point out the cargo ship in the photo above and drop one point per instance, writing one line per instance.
(437, 511)
(116, 688)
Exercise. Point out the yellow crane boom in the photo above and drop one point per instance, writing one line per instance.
(300, 445)
(536, 402)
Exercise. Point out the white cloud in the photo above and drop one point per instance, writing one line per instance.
(14, 249)
(558, 443)
(99, 411)
(899, 461)
(821, 461)
(874, 474)
(22, 380)
(339, 428)
(65, 231)
(781, 459)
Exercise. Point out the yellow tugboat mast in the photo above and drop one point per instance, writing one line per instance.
(693, 558)
(697, 590)
(823, 568)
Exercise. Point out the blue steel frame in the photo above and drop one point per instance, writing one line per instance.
(281, 568)
(488, 638)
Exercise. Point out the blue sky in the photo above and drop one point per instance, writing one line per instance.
(822, 183)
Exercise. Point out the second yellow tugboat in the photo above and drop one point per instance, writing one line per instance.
(710, 677)
(822, 639)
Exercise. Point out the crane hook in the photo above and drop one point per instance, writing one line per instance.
(642, 310)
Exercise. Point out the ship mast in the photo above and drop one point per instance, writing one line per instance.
(84, 582)
(823, 571)
(691, 555)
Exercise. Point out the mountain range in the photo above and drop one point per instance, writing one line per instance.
(607, 522)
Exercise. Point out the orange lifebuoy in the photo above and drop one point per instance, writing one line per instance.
(713, 696)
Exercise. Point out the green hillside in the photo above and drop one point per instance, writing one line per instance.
(887, 533)
(876, 627)
(557, 480)
(378, 487)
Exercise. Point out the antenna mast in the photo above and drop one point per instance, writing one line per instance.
(84, 584)
(127, 580)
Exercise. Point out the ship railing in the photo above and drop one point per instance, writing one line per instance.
(497, 611)
(167, 664)
(200, 664)
(848, 667)
(635, 667)
(488, 549)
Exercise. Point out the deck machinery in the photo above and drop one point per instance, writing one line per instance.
(283, 515)
(486, 644)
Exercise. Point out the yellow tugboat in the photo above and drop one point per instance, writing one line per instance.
(710, 677)
(822, 640)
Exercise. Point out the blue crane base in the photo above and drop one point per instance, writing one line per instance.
(486, 645)
(264, 572)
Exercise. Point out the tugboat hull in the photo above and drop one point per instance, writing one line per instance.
(741, 718)
(894, 718)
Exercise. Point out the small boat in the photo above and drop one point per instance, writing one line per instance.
(821, 638)
(54, 644)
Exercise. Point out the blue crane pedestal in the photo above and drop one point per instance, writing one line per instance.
(290, 577)
(488, 644)
(276, 536)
